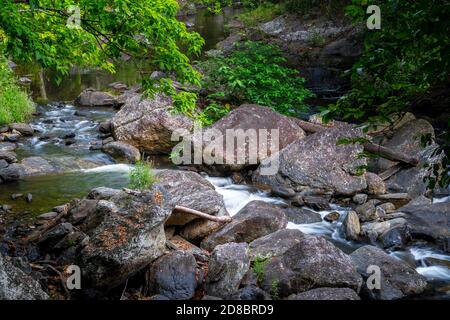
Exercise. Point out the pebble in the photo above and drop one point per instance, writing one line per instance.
(332, 216)
(16, 196)
(29, 198)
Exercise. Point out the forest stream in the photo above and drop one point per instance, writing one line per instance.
(67, 137)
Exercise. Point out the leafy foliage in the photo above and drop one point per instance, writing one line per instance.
(402, 60)
(263, 13)
(142, 176)
(15, 105)
(255, 73)
(258, 267)
(37, 31)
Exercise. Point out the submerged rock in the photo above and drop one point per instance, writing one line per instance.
(398, 279)
(255, 220)
(34, 166)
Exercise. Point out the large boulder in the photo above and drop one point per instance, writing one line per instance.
(429, 222)
(95, 98)
(17, 285)
(408, 139)
(11, 173)
(326, 294)
(148, 124)
(274, 244)
(398, 279)
(126, 233)
(191, 190)
(122, 152)
(227, 267)
(255, 220)
(301, 215)
(174, 276)
(312, 262)
(23, 128)
(248, 121)
(319, 161)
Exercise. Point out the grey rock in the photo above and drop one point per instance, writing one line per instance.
(227, 267)
(8, 156)
(35, 166)
(95, 98)
(301, 215)
(122, 152)
(54, 235)
(23, 128)
(398, 279)
(17, 285)
(255, 220)
(375, 185)
(326, 294)
(251, 118)
(313, 262)
(250, 293)
(148, 124)
(11, 173)
(174, 276)
(360, 198)
(126, 234)
(274, 244)
(332, 216)
(7, 146)
(318, 161)
(429, 222)
(351, 226)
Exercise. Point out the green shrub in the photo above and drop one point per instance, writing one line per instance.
(15, 105)
(260, 14)
(256, 73)
(142, 176)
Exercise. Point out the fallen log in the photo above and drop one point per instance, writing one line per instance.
(47, 226)
(368, 146)
(190, 211)
(203, 215)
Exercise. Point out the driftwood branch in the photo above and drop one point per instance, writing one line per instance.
(47, 226)
(368, 146)
(188, 210)
(203, 215)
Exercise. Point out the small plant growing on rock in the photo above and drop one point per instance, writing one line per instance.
(142, 176)
(274, 290)
(258, 267)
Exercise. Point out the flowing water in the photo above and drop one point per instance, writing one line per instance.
(79, 168)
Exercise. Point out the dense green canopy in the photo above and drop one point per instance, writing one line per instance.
(41, 31)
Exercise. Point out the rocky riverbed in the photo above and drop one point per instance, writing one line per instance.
(309, 232)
